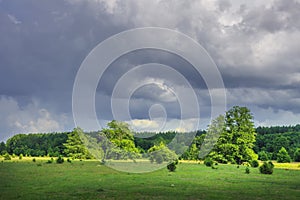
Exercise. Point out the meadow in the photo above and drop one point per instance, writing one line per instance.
(24, 179)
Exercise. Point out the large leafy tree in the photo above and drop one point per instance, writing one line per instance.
(118, 131)
(121, 136)
(236, 142)
(215, 129)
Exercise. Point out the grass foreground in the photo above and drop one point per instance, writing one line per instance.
(24, 179)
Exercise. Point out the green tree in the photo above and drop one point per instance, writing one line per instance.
(160, 153)
(280, 141)
(297, 155)
(193, 152)
(263, 156)
(122, 139)
(215, 129)
(2, 148)
(118, 131)
(236, 142)
(74, 147)
(283, 156)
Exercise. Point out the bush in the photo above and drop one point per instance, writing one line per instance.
(247, 164)
(247, 170)
(214, 166)
(20, 156)
(208, 162)
(176, 162)
(297, 155)
(69, 160)
(263, 156)
(59, 160)
(33, 160)
(7, 157)
(283, 156)
(254, 163)
(160, 153)
(219, 158)
(172, 166)
(50, 161)
(266, 168)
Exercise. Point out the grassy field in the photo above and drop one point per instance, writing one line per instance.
(24, 179)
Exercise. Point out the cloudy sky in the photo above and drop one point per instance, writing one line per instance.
(255, 45)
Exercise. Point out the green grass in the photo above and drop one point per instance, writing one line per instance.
(24, 179)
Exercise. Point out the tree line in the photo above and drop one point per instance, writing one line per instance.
(230, 138)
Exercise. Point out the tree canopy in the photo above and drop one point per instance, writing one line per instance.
(74, 147)
(236, 141)
(229, 138)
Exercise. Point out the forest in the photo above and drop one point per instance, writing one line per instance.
(238, 141)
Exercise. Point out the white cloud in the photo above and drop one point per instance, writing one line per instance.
(144, 124)
(160, 124)
(43, 123)
(28, 119)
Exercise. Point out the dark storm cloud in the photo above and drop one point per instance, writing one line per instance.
(42, 46)
(42, 53)
(255, 45)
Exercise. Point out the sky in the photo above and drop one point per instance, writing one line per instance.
(254, 44)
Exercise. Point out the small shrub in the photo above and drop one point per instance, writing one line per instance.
(50, 161)
(254, 163)
(69, 160)
(176, 162)
(247, 164)
(33, 160)
(266, 168)
(247, 170)
(7, 157)
(20, 156)
(208, 162)
(172, 166)
(59, 160)
(214, 166)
